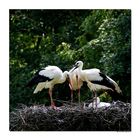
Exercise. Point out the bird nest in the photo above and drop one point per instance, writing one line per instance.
(117, 117)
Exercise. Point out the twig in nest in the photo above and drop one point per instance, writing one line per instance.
(117, 117)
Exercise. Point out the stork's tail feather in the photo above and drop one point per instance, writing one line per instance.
(37, 79)
(107, 81)
(117, 88)
(31, 83)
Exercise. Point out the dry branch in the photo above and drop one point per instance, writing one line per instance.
(117, 117)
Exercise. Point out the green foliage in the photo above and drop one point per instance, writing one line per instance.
(100, 38)
(105, 97)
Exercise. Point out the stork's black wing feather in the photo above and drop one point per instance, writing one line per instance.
(104, 82)
(108, 83)
(37, 79)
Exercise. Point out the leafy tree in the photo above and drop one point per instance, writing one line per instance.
(100, 38)
(110, 47)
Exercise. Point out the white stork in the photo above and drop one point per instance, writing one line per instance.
(95, 79)
(99, 104)
(74, 84)
(47, 78)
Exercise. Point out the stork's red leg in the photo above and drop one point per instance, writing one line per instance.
(71, 96)
(71, 88)
(94, 97)
(79, 96)
(70, 85)
(52, 102)
(95, 100)
(77, 79)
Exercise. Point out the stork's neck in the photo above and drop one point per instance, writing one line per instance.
(80, 72)
(64, 76)
(80, 68)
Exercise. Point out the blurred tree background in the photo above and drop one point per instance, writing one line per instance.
(100, 38)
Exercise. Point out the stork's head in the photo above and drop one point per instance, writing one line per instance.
(78, 64)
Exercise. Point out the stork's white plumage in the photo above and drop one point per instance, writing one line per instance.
(47, 78)
(99, 104)
(74, 83)
(95, 76)
(95, 79)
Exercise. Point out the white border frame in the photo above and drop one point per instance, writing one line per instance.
(64, 4)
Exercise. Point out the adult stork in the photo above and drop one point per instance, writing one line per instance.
(74, 83)
(95, 79)
(47, 78)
